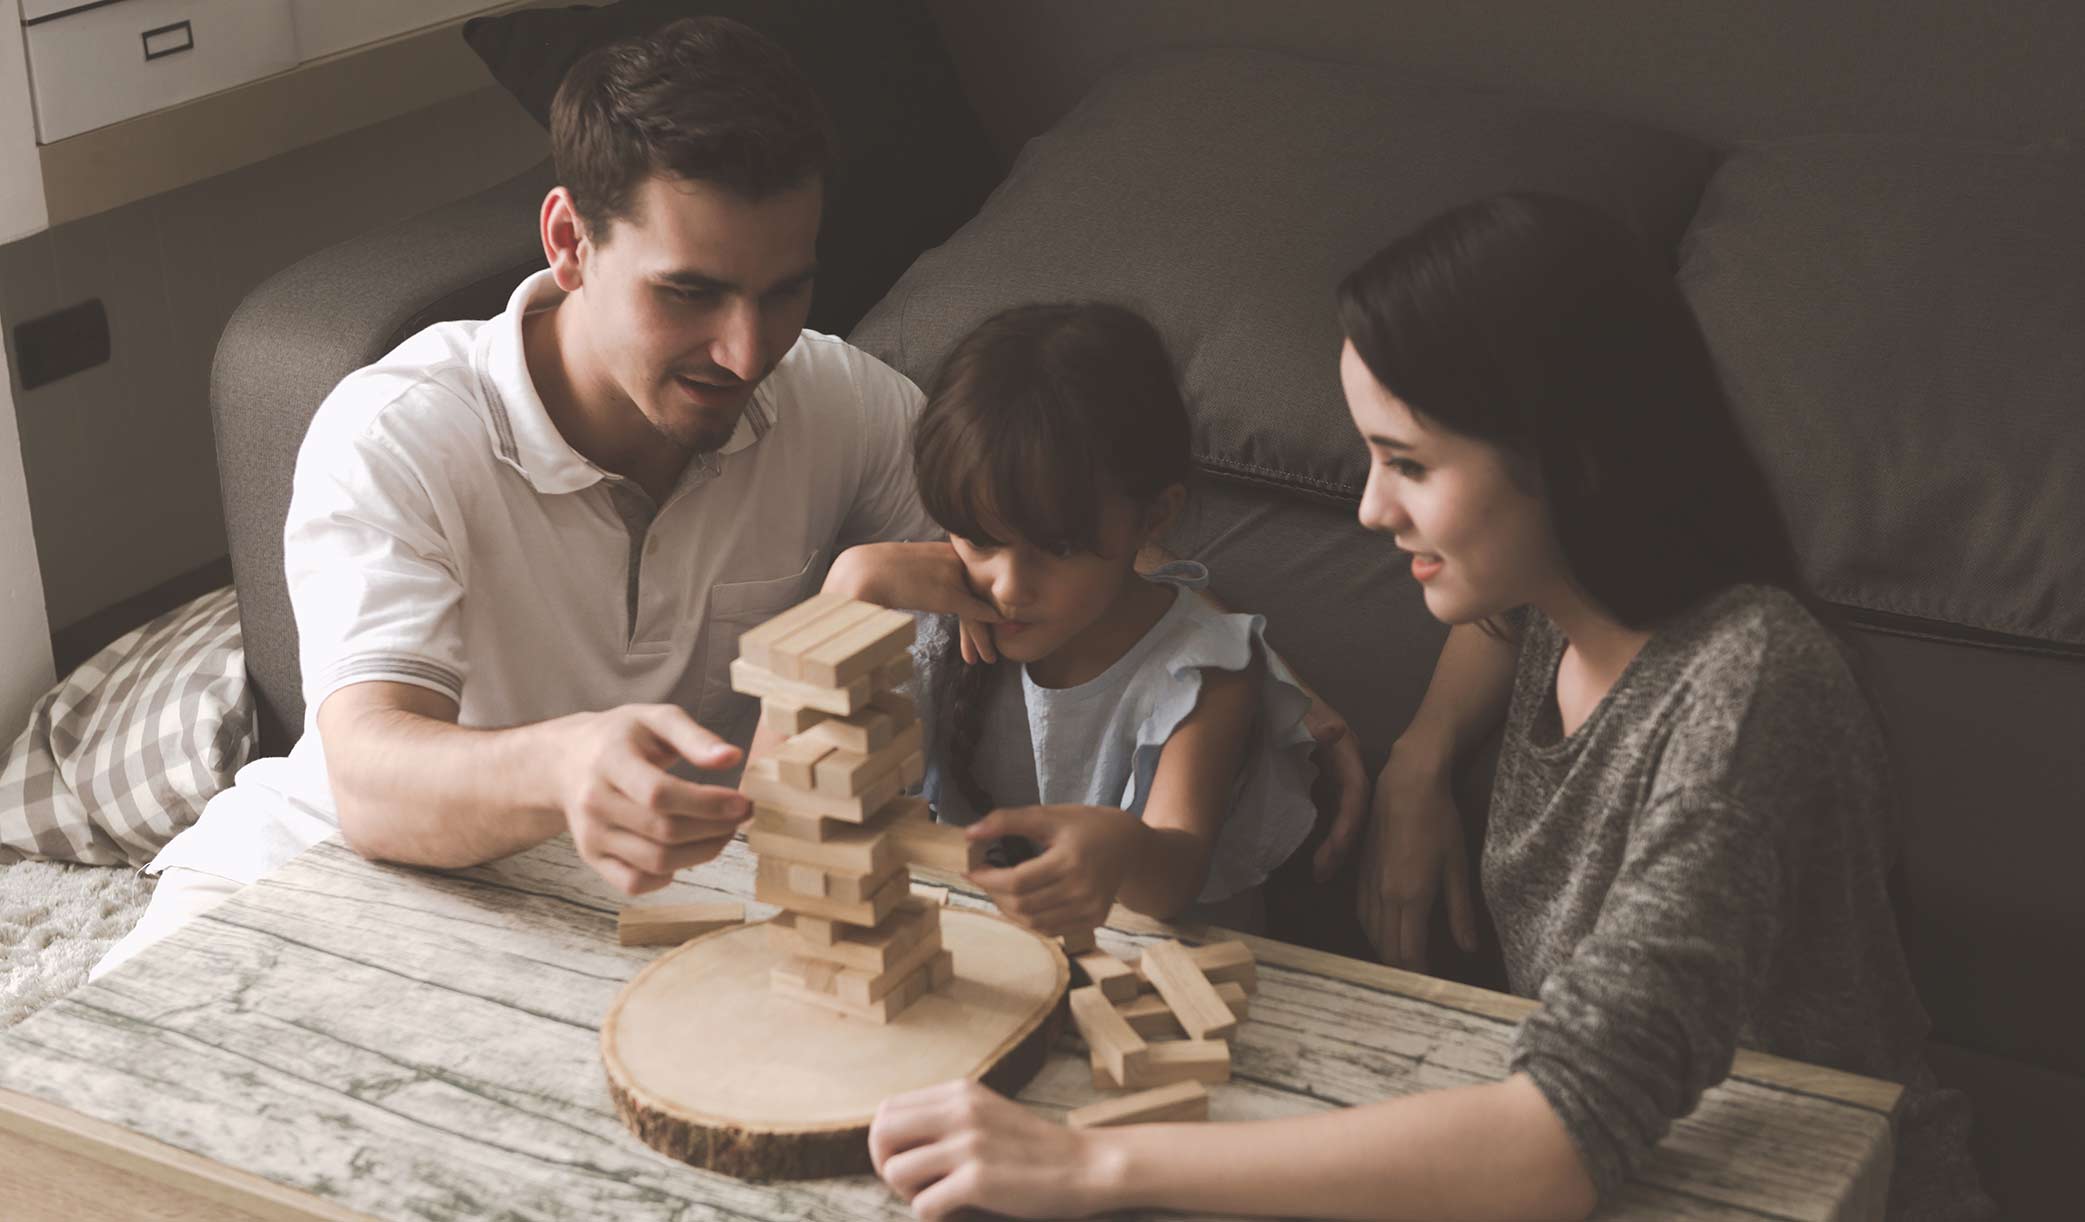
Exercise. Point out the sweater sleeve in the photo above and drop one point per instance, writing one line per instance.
(1646, 1013)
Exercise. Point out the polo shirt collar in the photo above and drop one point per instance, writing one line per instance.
(520, 428)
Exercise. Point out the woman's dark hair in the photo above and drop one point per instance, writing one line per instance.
(1034, 418)
(703, 98)
(1542, 326)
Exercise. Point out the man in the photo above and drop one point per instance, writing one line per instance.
(558, 521)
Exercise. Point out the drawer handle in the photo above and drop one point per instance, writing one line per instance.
(168, 40)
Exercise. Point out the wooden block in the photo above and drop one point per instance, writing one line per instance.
(1113, 1043)
(755, 643)
(1116, 980)
(763, 783)
(846, 773)
(896, 673)
(791, 718)
(786, 654)
(851, 848)
(862, 987)
(810, 975)
(1151, 1018)
(920, 841)
(862, 733)
(796, 761)
(751, 680)
(1221, 961)
(860, 651)
(1180, 1101)
(937, 896)
(673, 924)
(943, 969)
(1188, 993)
(1170, 1061)
(769, 888)
(883, 1010)
(812, 829)
(868, 950)
(850, 885)
(810, 880)
(1080, 943)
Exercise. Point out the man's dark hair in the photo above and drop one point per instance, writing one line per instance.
(702, 98)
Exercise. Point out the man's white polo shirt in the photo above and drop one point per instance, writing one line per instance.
(442, 533)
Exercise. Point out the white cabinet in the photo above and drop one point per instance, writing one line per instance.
(328, 27)
(92, 66)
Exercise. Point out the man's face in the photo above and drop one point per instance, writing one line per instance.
(694, 297)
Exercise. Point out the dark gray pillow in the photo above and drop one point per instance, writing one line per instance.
(1225, 193)
(1901, 324)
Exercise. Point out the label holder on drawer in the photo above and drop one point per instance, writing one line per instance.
(168, 40)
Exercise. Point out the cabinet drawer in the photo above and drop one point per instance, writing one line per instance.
(97, 66)
(328, 27)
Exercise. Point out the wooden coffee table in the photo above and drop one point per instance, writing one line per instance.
(348, 1040)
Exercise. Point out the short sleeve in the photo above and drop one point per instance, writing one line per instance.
(1271, 810)
(374, 579)
(886, 505)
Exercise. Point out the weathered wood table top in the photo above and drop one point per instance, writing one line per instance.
(346, 1039)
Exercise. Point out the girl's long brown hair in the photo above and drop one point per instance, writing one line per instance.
(1035, 417)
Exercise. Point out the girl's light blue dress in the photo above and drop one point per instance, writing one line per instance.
(1097, 744)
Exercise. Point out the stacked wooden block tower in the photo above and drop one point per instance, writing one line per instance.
(833, 831)
(1163, 1022)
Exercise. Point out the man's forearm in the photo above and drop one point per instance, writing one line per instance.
(422, 791)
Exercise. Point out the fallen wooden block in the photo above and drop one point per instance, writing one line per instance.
(1181, 1101)
(1188, 993)
(1151, 1018)
(1110, 975)
(1221, 961)
(1115, 1046)
(1169, 1061)
(673, 924)
(750, 680)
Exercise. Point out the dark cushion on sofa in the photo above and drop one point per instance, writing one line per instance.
(1901, 325)
(1225, 192)
(912, 160)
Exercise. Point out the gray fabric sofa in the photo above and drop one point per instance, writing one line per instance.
(1929, 460)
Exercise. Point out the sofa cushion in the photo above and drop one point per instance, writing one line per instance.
(912, 161)
(1225, 192)
(1899, 323)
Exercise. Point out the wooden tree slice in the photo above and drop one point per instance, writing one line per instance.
(710, 1066)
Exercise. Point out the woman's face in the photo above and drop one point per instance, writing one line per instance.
(1480, 544)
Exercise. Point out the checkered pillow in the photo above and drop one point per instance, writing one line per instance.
(124, 752)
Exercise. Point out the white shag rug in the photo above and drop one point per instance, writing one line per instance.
(57, 920)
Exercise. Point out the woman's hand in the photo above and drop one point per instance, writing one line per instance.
(1072, 884)
(959, 1146)
(1415, 849)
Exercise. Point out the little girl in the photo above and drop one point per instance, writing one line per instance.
(1147, 745)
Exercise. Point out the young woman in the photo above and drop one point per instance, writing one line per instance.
(1147, 744)
(1687, 837)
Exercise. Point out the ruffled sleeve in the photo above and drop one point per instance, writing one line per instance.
(1271, 810)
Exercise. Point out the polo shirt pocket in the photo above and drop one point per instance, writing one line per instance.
(735, 606)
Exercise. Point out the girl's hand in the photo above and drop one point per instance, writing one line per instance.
(1415, 848)
(1072, 883)
(959, 1146)
(1338, 756)
(910, 577)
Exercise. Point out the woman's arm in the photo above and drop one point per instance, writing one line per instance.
(1495, 1151)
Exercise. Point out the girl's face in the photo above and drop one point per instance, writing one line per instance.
(1050, 597)
(1480, 544)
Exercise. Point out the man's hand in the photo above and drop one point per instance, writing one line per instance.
(633, 821)
(1072, 884)
(1415, 848)
(1339, 757)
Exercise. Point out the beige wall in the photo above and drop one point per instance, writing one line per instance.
(1726, 70)
(122, 477)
